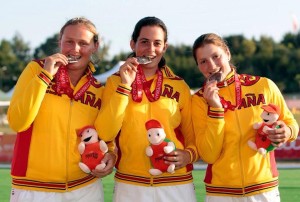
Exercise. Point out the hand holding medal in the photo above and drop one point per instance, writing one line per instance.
(54, 62)
(211, 91)
(129, 69)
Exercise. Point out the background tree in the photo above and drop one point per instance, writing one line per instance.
(14, 56)
(101, 58)
(291, 40)
(180, 60)
(48, 48)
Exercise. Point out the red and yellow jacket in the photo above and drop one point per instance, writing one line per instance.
(234, 168)
(172, 110)
(46, 156)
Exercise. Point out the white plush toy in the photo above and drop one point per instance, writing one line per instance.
(91, 149)
(159, 146)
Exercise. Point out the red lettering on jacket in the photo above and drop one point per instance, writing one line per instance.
(168, 92)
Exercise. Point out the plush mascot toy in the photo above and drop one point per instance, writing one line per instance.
(269, 116)
(91, 149)
(159, 146)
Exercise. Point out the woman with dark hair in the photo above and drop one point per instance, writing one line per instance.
(224, 112)
(150, 90)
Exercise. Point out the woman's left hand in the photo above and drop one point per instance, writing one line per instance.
(178, 157)
(110, 160)
(280, 135)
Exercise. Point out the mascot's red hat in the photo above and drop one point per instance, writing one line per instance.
(271, 108)
(152, 124)
(79, 131)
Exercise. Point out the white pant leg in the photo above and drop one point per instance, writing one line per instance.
(130, 193)
(176, 193)
(92, 193)
(23, 195)
(270, 196)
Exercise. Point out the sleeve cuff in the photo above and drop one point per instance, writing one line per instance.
(45, 77)
(123, 89)
(294, 135)
(192, 154)
(217, 113)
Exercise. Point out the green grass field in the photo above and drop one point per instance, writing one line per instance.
(289, 185)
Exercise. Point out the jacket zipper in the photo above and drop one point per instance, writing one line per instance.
(240, 142)
(149, 110)
(67, 145)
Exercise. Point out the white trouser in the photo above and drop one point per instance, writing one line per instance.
(270, 196)
(91, 193)
(174, 193)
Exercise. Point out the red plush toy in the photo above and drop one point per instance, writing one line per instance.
(269, 116)
(159, 146)
(92, 149)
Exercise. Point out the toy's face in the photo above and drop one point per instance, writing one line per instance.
(89, 136)
(269, 117)
(156, 135)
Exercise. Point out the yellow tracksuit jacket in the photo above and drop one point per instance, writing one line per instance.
(46, 152)
(172, 110)
(234, 168)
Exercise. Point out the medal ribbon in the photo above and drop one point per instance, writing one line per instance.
(238, 96)
(63, 83)
(138, 87)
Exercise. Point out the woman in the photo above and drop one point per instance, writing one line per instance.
(151, 91)
(223, 112)
(53, 98)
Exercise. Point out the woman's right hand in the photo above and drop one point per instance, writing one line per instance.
(128, 71)
(53, 62)
(211, 94)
